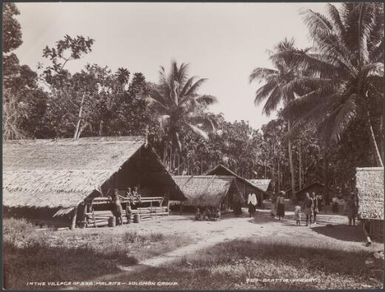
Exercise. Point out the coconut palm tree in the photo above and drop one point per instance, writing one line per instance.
(278, 88)
(345, 70)
(179, 107)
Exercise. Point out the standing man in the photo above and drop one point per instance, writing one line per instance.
(315, 207)
(308, 207)
(252, 203)
(352, 209)
(281, 205)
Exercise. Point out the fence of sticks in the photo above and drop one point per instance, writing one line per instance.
(98, 213)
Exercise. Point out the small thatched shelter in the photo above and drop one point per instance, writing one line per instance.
(262, 184)
(209, 191)
(243, 185)
(50, 178)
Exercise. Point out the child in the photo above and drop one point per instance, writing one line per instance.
(297, 214)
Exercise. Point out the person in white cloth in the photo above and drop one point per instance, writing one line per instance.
(252, 203)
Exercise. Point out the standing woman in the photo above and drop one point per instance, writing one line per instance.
(281, 205)
(315, 207)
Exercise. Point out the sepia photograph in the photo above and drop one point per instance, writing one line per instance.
(192, 146)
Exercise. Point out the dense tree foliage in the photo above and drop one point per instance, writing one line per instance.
(24, 101)
(331, 97)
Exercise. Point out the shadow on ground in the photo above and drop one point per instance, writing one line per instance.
(343, 232)
(227, 265)
(58, 264)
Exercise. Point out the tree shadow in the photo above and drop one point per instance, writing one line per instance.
(341, 232)
(195, 271)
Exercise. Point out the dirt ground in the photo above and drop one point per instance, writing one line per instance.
(329, 227)
(330, 230)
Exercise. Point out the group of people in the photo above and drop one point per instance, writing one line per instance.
(208, 213)
(311, 207)
(134, 199)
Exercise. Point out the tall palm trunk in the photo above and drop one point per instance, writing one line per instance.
(291, 165)
(300, 182)
(278, 176)
(374, 142)
(326, 173)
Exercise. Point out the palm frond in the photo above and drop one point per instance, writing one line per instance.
(273, 100)
(365, 24)
(264, 91)
(344, 116)
(310, 63)
(304, 107)
(187, 85)
(260, 74)
(195, 86)
(316, 22)
(337, 121)
(336, 18)
(198, 131)
(207, 99)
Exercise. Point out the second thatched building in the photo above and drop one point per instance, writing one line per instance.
(210, 191)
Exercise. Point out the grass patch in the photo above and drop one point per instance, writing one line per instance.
(79, 255)
(268, 263)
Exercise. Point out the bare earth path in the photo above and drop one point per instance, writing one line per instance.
(206, 234)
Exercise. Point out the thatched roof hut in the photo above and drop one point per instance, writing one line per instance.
(370, 192)
(316, 187)
(209, 190)
(243, 185)
(58, 175)
(262, 184)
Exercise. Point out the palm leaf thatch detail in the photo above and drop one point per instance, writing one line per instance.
(370, 187)
(208, 191)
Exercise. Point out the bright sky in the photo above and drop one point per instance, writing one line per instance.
(221, 41)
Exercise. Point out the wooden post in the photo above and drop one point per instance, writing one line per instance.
(85, 216)
(73, 223)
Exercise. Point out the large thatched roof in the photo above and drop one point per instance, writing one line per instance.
(46, 188)
(93, 153)
(62, 173)
(370, 187)
(220, 169)
(205, 190)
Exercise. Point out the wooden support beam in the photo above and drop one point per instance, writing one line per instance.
(73, 223)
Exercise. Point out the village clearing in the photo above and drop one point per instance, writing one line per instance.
(178, 252)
